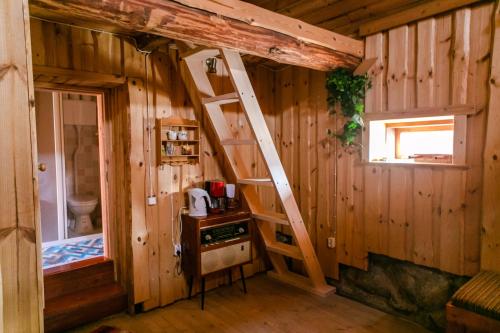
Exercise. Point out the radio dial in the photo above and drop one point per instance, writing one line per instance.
(208, 237)
(241, 230)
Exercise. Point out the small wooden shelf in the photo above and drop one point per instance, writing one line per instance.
(180, 141)
(166, 145)
(183, 155)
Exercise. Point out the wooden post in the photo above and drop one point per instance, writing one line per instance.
(21, 281)
(139, 230)
(490, 249)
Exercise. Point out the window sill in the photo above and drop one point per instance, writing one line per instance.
(413, 164)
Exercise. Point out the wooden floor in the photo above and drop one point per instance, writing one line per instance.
(269, 306)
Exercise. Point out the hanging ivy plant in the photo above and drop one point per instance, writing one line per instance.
(348, 90)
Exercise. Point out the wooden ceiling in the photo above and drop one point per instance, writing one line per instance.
(342, 16)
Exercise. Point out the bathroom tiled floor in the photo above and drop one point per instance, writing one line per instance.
(72, 250)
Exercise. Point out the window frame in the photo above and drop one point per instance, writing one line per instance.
(418, 126)
(458, 123)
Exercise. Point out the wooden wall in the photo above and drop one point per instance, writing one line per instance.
(490, 243)
(20, 241)
(141, 235)
(308, 155)
(427, 215)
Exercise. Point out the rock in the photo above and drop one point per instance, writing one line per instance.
(438, 318)
(414, 292)
(434, 293)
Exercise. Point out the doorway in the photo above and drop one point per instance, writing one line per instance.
(71, 168)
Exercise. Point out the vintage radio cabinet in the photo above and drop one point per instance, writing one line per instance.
(214, 243)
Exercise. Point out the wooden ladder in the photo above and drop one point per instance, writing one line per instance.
(244, 94)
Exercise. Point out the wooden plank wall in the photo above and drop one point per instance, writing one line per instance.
(20, 240)
(308, 155)
(141, 235)
(490, 244)
(426, 215)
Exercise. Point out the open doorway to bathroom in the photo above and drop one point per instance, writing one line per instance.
(72, 186)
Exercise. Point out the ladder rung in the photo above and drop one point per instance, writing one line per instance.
(256, 181)
(271, 217)
(200, 52)
(237, 142)
(302, 282)
(221, 99)
(285, 249)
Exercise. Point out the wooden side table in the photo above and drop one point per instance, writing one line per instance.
(215, 243)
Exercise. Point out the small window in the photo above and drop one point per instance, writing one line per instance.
(424, 140)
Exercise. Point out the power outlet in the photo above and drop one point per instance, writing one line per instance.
(177, 250)
(331, 242)
(152, 200)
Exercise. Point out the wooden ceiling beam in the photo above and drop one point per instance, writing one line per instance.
(217, 25)
(256, 16)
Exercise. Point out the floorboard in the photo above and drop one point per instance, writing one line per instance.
(269, 306)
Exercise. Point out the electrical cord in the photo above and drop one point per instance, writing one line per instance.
(176, 239)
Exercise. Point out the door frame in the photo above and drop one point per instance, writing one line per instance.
(103, 166)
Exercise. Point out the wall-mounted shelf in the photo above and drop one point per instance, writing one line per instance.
(177, 152)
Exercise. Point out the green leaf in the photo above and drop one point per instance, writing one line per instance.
(349, 91)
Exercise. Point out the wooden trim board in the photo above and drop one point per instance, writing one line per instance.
(452, 110)
(74, 77)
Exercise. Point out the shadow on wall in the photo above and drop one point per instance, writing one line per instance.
(415, 292)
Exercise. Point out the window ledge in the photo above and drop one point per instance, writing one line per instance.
(413, 164)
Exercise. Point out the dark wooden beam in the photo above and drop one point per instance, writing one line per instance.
(177, 21)
(149, 43)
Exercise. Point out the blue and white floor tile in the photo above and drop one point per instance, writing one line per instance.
(72, 250)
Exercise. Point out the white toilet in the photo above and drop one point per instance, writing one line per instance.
(82, 206)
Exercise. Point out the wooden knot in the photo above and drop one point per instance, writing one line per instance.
(275, 50)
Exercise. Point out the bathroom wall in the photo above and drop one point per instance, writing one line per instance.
(80, 110)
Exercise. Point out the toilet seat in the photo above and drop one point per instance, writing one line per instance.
(82, 199)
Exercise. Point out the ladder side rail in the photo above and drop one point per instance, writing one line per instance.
(219, 124)
(241, 82)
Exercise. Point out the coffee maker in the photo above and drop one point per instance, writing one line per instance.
(215, 189)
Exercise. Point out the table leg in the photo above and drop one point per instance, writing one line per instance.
(243, 279)
(190, 286)
(203, 293)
